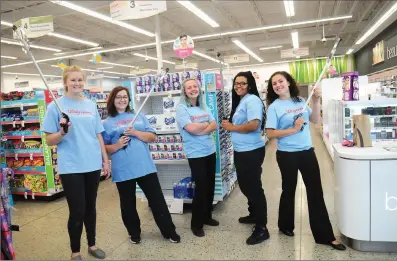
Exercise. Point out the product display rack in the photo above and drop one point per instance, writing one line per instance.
(26, 151)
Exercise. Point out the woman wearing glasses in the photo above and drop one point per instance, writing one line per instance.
(246, 122)
(132, 164)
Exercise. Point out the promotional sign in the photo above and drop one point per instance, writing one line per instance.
(140, 70)
(35, 26)
(237, 58)
(97, 58)
(183, 46)
(186, 65)
(126, 10)
(24, 84)
(62, 64)
(289, 53)
(378, 53)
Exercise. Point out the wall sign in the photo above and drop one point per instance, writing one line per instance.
(127, 10)
(391, 52)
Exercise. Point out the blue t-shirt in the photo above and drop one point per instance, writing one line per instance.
(134, 161)
(79, 151)
(250, 108)
(195, 146)
(280, 116)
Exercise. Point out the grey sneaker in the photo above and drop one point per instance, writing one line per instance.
(98, 253)
(77, 258)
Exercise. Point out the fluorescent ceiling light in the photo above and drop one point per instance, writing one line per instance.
(74, 52)
(9, 57)
(103, 17)
(6, 23)
(289, 8)
(151, 58)
(111, 77)
(198, 12)
(73, 39)
(271, 47)
(208, 57)
(116, 64)
(104, 68)
(349, 51)
(378, 23)
(194, 37)
(295, 40)
(32, 45)
(247, 50)
(30, 74)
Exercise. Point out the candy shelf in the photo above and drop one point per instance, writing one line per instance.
(25, 148)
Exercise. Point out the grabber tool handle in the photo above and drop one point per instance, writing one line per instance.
(65, 126)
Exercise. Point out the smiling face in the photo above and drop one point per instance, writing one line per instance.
(280, 85)
(121, 101)
(241, 86)
(192, 89)
(75, 82)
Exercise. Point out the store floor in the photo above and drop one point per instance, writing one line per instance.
(44, 235)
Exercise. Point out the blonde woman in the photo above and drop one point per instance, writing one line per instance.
(196, 124)
(82, 155)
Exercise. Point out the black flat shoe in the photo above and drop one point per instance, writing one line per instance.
(338, 246)
(212, 223)
(287, 232)
(198, 232)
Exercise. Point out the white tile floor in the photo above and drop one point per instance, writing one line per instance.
(43, 234)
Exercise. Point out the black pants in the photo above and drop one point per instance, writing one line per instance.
(203, 174)
(306, 162)
(150, 185)
(81, 192)
(249, 170)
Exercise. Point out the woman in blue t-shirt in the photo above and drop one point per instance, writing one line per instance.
(246, 123)
(285, 120)
(81, 156)
(196, 123)
(132, 164)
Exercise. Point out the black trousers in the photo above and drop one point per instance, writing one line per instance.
(203, 174)
(249, 170)
(81, 193)
(306, 162)
(150, 185)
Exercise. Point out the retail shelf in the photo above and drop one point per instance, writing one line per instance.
(169, 194)
(18, 105)
(382, 102)
(38, 194)
(19, 122)
(377, 116)
(167, 131)
(24, 154)
(175, 92)
(175, 162)
(25, 137)
(18, 172)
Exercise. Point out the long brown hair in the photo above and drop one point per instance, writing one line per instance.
(112, 111)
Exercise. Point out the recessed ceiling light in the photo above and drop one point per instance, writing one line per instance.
(247, 50)
(198, 12)
(349, 51)
(9, 57)
(31, 45)
(295, 40)
(270, 47)
(289, 8)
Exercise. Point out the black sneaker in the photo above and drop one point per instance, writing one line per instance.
(212, 223)
(247, 220)
(198, 232)
(258, 236)
(135, 240)
(174, 238)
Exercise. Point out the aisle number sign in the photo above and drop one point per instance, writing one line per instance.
(237, 58)
(289, 53)
(35, 26)
(126, 10)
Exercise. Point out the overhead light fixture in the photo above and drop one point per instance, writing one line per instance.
(151, 58)
(111, 72)
(208, 57)
(62, 36)
(378, 23)
(32, 45)
(349, 51)
(289, 8)
(6, 23)
(247, 50)
(295, 40)
(30, 74)
(198, 12)
(103, 17)
(270, 47)
(9, 57)
(75, 52)
(111, 77)
(104, 68)
(194, 37)
(115, 64)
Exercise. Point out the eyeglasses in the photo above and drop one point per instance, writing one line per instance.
(240, 84)
(121, 97)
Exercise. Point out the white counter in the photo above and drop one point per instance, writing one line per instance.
(366, 196)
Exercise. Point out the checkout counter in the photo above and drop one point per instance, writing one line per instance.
(366, 196)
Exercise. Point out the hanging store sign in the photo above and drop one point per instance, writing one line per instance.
(237, 58)
(289, 53)
(35, 26)
(183, 46)
(127, 10)
(186, 66)
(24, 84)
(140, 70)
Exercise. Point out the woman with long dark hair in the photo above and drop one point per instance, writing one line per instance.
(286, 119)
(246, 121)
(132, 164)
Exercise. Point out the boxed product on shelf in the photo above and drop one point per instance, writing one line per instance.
(184, 189)
(169, 122)
(155, 121)
(170, 103)
(167, 147)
